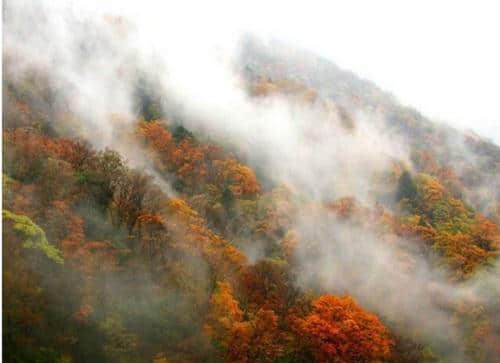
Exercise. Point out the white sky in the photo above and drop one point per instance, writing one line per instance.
(442, 57)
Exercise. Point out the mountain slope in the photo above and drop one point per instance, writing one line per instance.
(302, 215)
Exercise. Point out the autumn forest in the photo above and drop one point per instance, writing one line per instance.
(273, 209)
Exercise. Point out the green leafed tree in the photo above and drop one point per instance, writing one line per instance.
(33, 236)
(406, 188)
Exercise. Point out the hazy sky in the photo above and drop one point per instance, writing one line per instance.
(441, 57)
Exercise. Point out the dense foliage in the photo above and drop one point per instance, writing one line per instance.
(102, 264)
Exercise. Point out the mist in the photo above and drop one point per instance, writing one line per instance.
(386, 275)
(95, 53)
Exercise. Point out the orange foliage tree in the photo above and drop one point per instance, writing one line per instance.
(190, 233)
(196, 164)
(240, 180)
(461, 252)
(339, 330)
(252, 340)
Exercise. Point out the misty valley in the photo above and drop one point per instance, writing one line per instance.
(254, 203)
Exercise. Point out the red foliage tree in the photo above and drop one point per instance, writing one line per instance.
(338, 330)
(266, 285)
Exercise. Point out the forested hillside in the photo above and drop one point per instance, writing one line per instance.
(309, 219)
